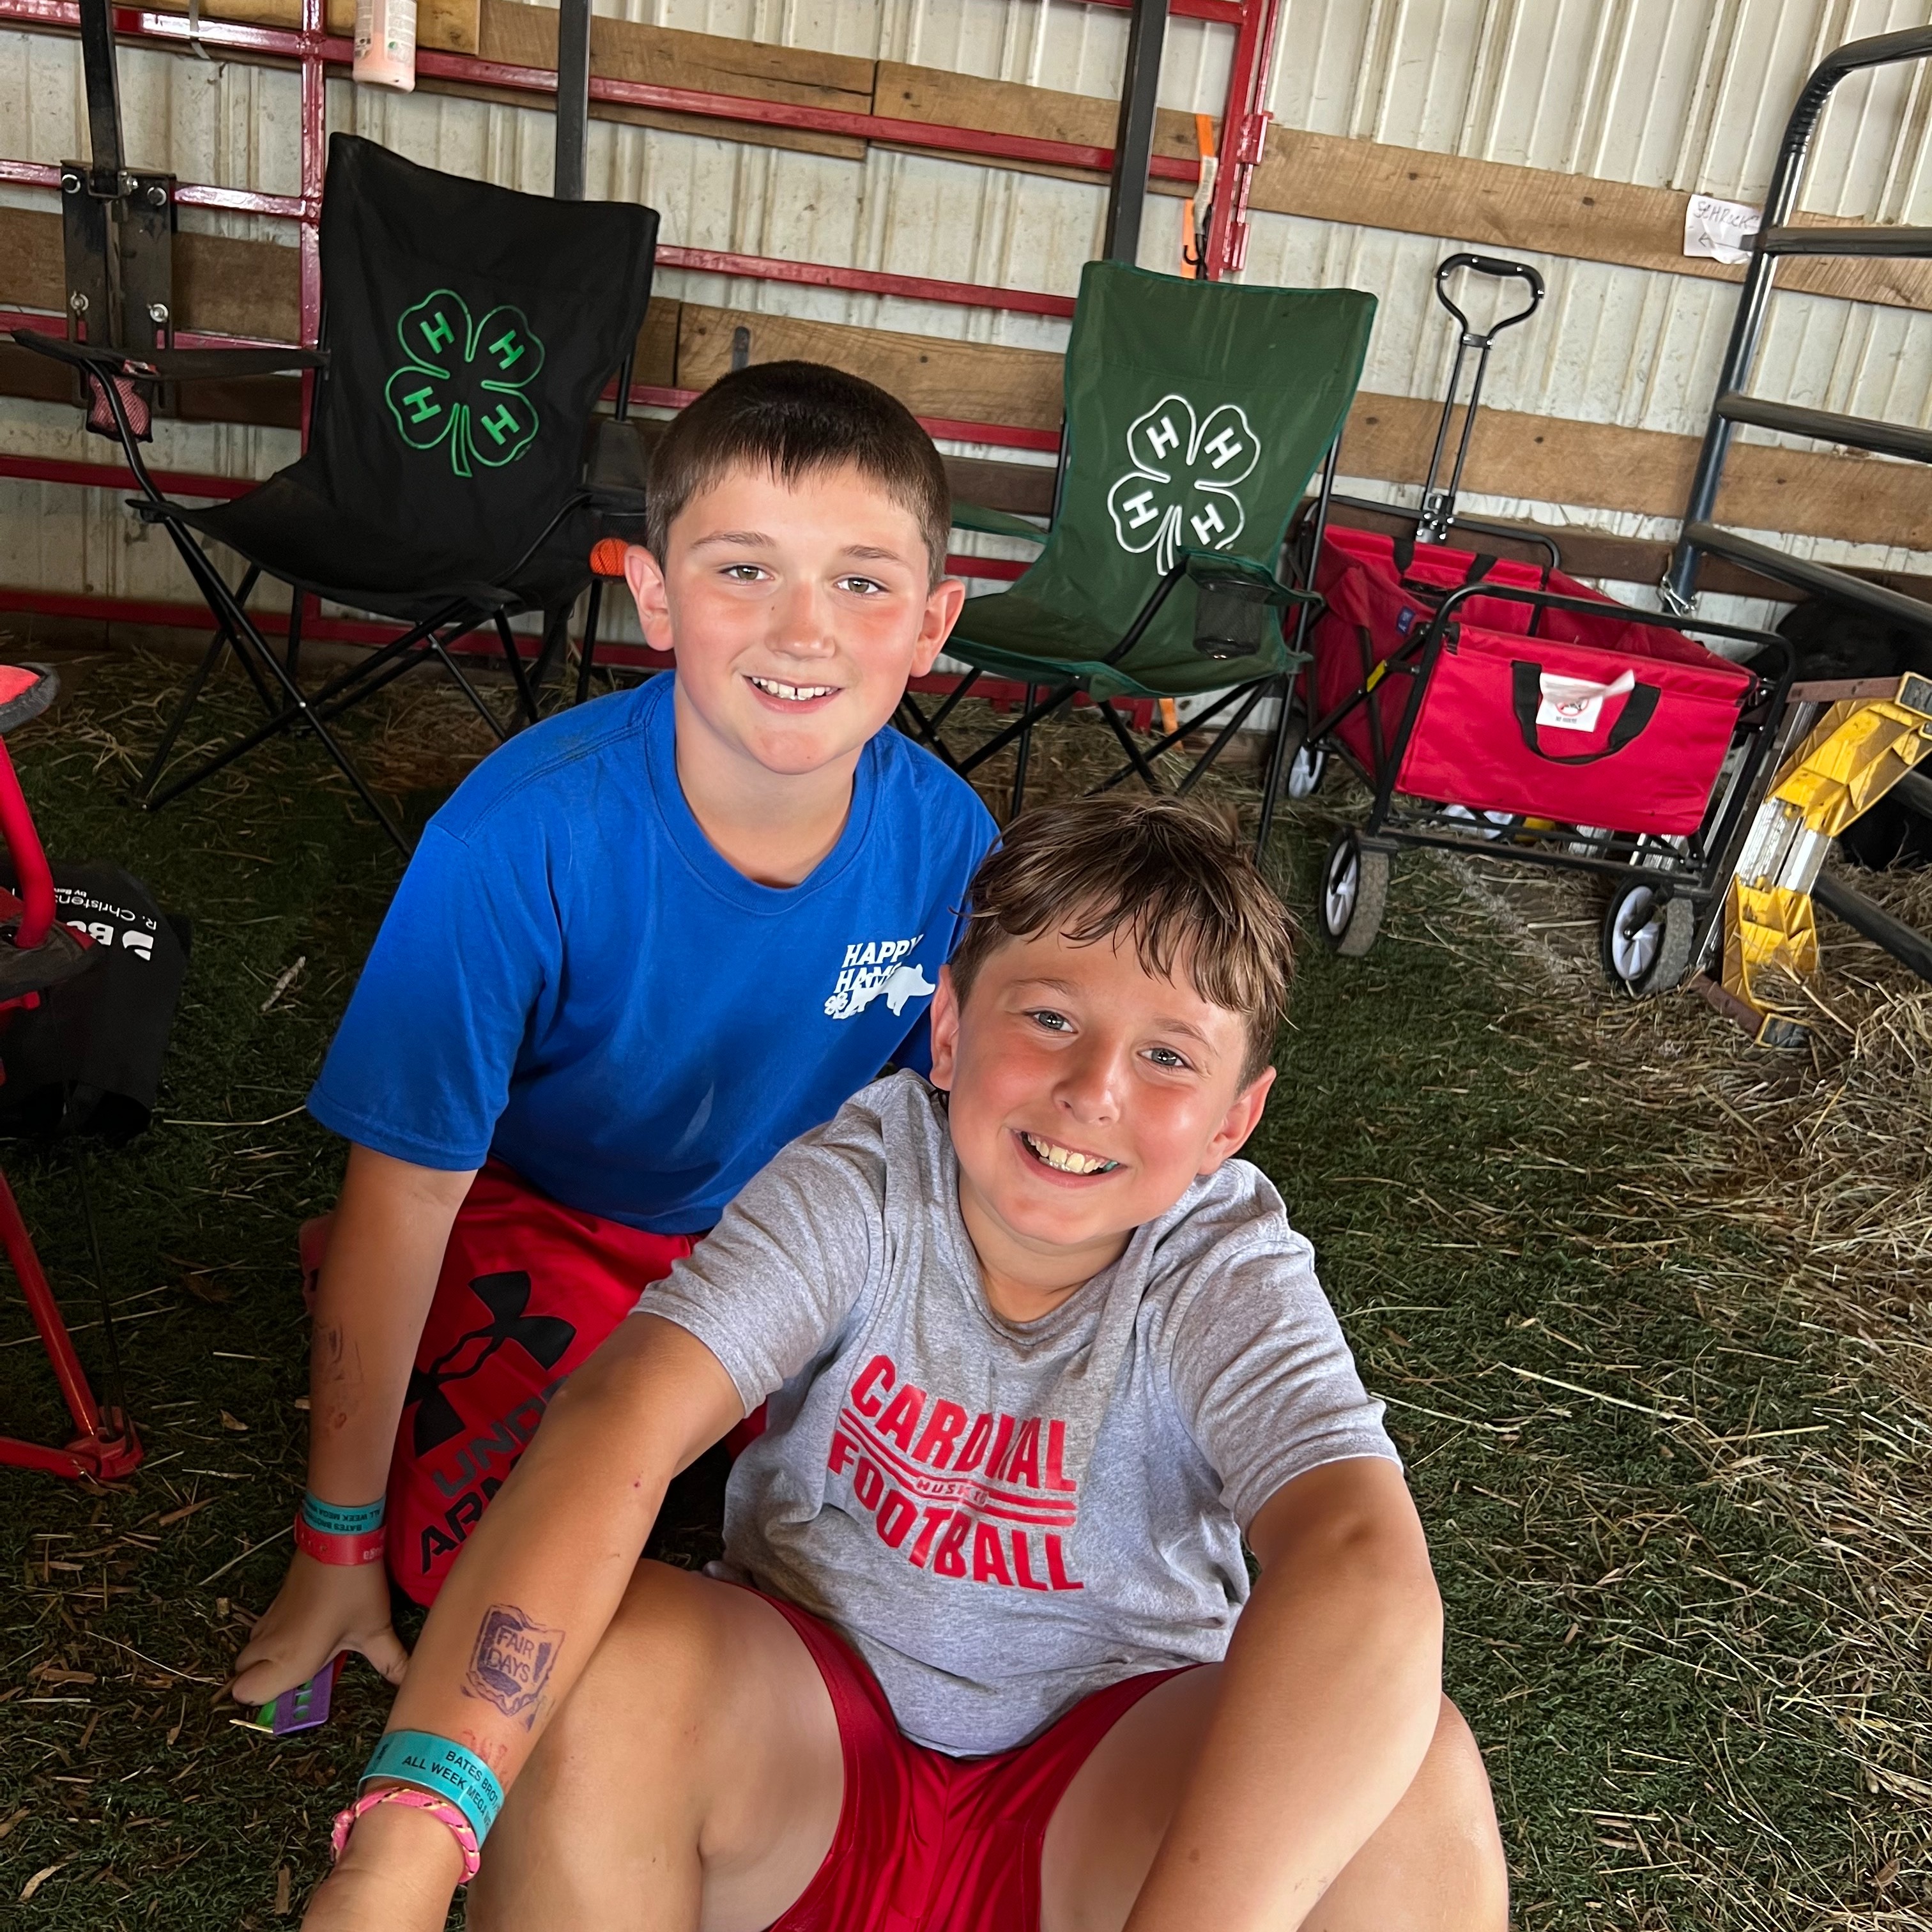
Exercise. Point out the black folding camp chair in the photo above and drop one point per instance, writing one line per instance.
(1196, 413)
(468, 333)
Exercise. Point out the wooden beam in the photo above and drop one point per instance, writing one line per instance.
(933, 375)
(1330, 178)
(248, 288)
(1605, 467)
(525, 36)
(1319, 177)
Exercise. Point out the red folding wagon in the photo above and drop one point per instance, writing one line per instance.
(1508, 708)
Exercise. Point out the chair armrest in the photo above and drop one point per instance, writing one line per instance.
(618, 471)
(994, 522)
(173, 365)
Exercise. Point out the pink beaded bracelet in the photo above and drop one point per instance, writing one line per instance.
(417, 1800)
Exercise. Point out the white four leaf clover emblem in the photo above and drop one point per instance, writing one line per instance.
(1180, 493)
(463, 381)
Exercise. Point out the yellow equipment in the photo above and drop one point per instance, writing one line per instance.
(1870, 737)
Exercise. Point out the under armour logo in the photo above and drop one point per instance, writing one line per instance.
(544, 1338)
(1181, 491)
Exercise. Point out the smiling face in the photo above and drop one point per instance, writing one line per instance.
(796, 614)
(1086, 1094)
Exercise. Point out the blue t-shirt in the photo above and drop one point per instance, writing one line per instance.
(571, 978)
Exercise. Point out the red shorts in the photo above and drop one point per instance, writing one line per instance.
(529, 1288)
(927, 1843)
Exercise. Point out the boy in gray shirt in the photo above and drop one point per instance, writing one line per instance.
(1037, 1350)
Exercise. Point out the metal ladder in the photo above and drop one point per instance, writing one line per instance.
(1775, 239)
(1699, 535)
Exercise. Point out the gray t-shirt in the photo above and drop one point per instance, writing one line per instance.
(1004, 1517)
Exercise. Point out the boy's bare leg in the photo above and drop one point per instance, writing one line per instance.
(693, 1778)
(1435, 1865)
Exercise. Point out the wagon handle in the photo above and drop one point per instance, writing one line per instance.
(1438, 505)
(1489, 265)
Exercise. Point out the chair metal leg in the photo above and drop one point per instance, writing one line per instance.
(555, 635)
(1022, 755)
(440, 646)
(1277, 767)
(247, 640)
(292, 651)
(586, 654)
(158, 763)
(1127, 745)
(1223, 738)
(1035, 715)
(526, 698)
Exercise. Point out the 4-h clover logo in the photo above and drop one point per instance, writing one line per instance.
(463, 382)
(1181, 491)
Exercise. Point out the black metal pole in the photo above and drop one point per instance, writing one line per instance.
(103, 87)
(1133, 138)
(573, 98)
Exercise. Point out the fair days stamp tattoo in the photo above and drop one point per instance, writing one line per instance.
(511, 1663)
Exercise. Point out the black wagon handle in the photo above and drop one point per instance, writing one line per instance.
(1526, 690)
(1503, 271)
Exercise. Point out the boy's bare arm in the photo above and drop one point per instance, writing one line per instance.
(536, 1588)
(1328, 1699)
(385, 1252)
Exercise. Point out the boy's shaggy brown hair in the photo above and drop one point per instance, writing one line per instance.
(792, 419)
(1170, 873)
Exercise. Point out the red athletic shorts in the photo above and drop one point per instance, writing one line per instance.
(927, 1843)
(529, 1288)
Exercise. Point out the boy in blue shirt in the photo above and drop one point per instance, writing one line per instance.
(646, 944)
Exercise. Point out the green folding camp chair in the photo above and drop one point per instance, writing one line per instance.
(1196, 413)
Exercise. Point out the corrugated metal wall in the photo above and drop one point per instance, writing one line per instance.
(1688, 93)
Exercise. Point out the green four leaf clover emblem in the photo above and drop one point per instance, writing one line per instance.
(463, 382)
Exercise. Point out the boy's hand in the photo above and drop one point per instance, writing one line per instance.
(398, 1873)
(322, 1608)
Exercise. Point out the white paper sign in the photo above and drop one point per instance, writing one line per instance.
(1574, 704)
(1720, 231)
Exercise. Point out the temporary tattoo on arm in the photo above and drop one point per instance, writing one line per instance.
(511, 1663)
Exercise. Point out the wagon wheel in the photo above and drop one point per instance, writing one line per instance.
(1354, 889)
(1644, 943)
(1307, 765)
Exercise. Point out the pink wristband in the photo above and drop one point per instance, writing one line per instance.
(439, 1808)
(345, 1551)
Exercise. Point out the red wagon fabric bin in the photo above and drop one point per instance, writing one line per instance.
(1592, 721)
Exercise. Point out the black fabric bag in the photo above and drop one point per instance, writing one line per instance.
(87, 1058)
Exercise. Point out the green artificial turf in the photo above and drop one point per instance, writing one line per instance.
(1586, 1372)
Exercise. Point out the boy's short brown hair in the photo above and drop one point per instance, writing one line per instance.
(1165, 871)
(790, 419)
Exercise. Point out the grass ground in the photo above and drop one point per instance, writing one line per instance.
(1648, 1307)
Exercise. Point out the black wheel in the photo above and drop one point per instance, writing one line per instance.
(1354, 889)
(1645, 944)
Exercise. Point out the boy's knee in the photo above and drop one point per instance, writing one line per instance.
(1472, 1863)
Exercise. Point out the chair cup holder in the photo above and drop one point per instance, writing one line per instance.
(1232, 615)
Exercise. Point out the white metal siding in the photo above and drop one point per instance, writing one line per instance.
(1687, 93)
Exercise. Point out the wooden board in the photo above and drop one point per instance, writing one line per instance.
(1329, 177)
(525, 36)
(666, 57)
(249, 288)
(971, 381)
(449, 26)
(744, 134)
(32, 271)
(1605, 467)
